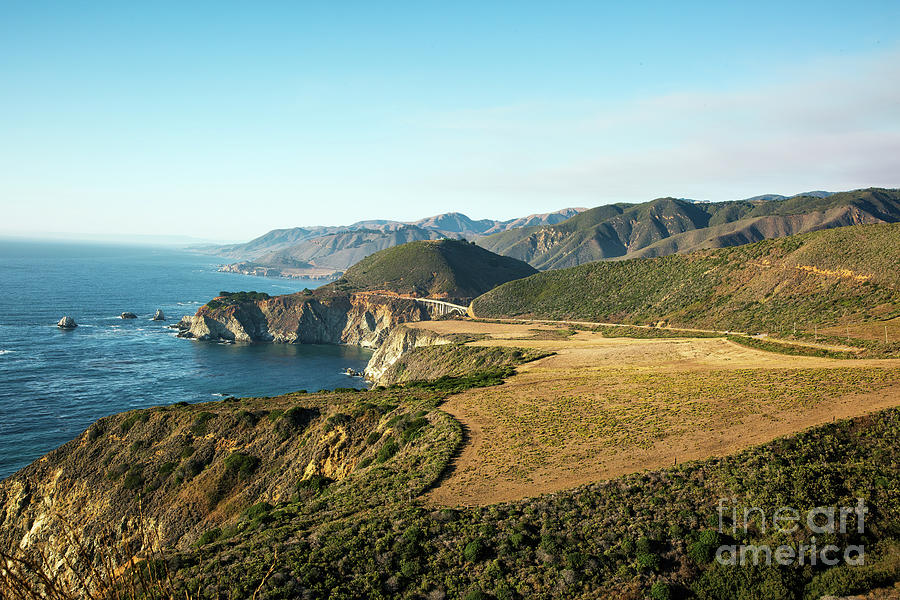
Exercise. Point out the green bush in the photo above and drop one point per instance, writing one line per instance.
(846, 580)
(474, 550)
(387, 450)
(258, 512)
(209, 536)
(704, 549)
(200, 425)
(647, 562)
(241, 465)
(314, 483)
(134, 479)
(166, 468)
(230, 298)
(130, 422)
(660, 591)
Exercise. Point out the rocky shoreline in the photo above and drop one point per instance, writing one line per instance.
(364, 320)
(257, 270)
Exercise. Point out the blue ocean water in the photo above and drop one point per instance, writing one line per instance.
(54, 383)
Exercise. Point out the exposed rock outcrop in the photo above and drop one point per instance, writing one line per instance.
(159, 316)
(128, 315)
(401, 340)
(359, 319)
(67, 323)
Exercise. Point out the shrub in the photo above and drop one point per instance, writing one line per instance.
(647, 562)
(474, 550)
(336, 420)
(704, 549)
(746, 582)
(660, 591)
(314, 483)
(132, 420)
(209, 536)
(845, 580)
(411, 428)
(199, 428)
(241, 464)
(247, 418)
(387, 451)
(294, 420)
(229, 298)
(134, 479)
(117, 471)
(166, 468)
(409, 568)
(258, 512)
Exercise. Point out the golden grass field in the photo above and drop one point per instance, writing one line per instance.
(601, 407)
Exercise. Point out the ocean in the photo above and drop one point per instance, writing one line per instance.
(54, 383)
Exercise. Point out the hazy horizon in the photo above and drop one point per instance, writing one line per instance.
(219, 123)
(186, 241)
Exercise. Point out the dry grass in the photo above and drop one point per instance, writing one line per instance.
(874, 331)
(603, 407)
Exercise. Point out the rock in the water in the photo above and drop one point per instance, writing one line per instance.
(67, 323)
(159, 316)
(129, 315)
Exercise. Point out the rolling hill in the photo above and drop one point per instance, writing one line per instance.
(439, 269)
(669, 225)
(818, 278)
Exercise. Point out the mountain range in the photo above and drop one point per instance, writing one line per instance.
(570, 236)
(672, 226)
(325, 251)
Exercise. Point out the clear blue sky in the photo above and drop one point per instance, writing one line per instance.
(222, 120)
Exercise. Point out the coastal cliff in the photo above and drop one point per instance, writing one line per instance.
(360, 319)
(181, 476)
(398, 343)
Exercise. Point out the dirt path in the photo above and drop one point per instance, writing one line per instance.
(603, 407)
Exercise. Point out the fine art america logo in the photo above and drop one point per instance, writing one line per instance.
(822, 520)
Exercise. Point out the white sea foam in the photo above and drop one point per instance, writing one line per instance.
(6, 351)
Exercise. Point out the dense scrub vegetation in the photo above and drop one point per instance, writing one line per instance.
(645, 535)
(455, 360)
(792, 349)
(229, 298)
(646, 332)
(848, 274)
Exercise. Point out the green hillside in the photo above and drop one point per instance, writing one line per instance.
(441, 269)
(668, 225)
(818, 278)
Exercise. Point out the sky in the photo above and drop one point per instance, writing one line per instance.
(223, 120)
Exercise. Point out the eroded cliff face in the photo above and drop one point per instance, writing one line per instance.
(363, 320)
(400, 341)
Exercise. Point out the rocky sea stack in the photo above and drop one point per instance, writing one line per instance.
(67, 323)
(128, 315)
(158, 316)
